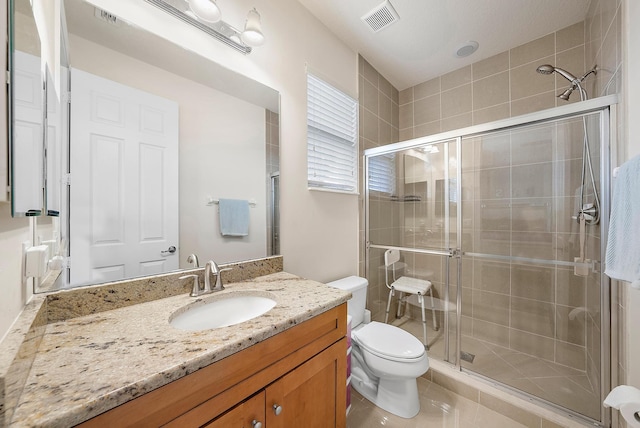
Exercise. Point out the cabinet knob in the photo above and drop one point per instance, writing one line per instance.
(277, 409)
(256, 424)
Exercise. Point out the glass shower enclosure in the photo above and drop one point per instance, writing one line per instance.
(508, 220)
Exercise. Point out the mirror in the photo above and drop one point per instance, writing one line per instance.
(37, 64)
(157, 136)
(27, 97)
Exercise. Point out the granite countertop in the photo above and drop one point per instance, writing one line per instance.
(89, 364)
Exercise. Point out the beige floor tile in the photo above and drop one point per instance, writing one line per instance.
(439, 407)
(451, 407)
(559, 390)
(488, 418)
(583, 381)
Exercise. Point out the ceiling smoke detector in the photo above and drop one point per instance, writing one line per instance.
(381, 17)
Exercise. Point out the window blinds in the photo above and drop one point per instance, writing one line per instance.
(382, 173)
(332, 137)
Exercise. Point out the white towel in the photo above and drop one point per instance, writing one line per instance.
(623, 246)
(234, 217)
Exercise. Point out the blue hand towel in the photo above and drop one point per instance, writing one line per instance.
(234, 217)
(623, 246)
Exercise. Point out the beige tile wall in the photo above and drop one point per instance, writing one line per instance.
(502, 86)
(378, 101)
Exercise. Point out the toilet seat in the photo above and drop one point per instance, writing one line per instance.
(389, 342)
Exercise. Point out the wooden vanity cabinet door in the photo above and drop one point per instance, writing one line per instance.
(313, 395)
(243, 415)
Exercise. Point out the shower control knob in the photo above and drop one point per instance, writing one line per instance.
(256, 424)
(277, 409)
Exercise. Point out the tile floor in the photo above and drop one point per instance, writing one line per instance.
(439, 407)
(553, 382)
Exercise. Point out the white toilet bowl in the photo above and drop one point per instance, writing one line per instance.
(385, 360)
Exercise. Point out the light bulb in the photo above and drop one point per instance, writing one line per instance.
(252, 34)
(206, 10)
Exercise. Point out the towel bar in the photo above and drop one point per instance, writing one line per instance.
(212, 202)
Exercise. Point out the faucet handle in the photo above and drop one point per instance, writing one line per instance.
(195, 291)
(219, 285)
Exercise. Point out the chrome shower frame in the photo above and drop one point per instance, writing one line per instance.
(606, 106)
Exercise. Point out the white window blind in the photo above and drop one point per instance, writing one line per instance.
(332, 137)
(382, 173)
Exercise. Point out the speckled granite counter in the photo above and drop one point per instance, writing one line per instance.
(89, 364)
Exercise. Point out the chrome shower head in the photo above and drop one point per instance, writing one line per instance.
(545, 69)
(566, 94)
(549, 69)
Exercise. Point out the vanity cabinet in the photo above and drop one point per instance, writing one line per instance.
(249, 413)
(295, 378)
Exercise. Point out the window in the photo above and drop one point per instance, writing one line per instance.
(382, 173)
(332, 138)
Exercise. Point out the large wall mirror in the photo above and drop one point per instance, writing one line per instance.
(38, 117)
(157, 136)
(27, 93)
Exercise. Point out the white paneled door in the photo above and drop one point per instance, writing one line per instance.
(124, 181)
(27, 180)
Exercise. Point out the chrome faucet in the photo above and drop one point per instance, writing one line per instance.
(193, 259)
(212, 268)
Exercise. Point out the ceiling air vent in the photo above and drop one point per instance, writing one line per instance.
(381, 17)
(106, 16)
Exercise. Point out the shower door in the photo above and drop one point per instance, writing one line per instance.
(413, 205)
(531, 312)
(508, 220)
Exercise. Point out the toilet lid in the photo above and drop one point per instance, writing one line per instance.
(389, 341)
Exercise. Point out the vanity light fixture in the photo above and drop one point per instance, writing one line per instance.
(205, 10)
(252, 34)
(206, 16)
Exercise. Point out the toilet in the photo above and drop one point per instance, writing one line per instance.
(385, 360)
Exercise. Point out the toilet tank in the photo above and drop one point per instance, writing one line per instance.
(357, 286)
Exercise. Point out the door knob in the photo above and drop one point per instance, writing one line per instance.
(256, 424)
(168, 251)
(277, 409)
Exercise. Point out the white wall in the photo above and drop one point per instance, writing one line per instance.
(227, 161)
(219, 136)
(319, 237)
(632, 137)
(13, 231)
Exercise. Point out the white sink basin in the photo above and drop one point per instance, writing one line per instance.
(222, 310)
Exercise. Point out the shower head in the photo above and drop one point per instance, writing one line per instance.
(567, 93)
(549, 69)
(545, 69)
